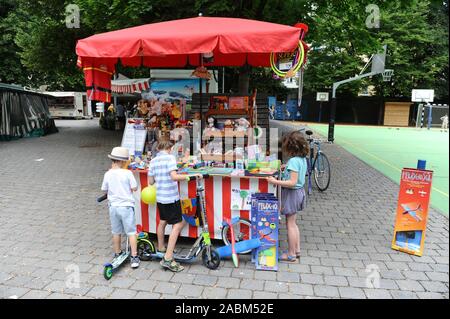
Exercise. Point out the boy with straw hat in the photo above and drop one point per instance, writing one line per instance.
(120, 184)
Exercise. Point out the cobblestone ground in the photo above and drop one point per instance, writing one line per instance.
(50, 225)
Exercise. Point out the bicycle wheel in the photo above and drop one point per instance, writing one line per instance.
(241, 232)
(322, 171)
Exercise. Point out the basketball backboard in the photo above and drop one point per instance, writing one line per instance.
(420, 95)
(379, 61)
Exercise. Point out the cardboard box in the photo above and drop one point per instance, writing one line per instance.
(265, 226)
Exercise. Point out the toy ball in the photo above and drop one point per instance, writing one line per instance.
(148, 195)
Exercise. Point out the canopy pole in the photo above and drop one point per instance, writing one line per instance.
(115, 95)
(223, 80)
(201, 105)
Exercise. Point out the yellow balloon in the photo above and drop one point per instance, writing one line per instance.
(148, 195)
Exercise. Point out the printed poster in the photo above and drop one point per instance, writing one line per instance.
(412, 211)
(240, 199)
(134, 136)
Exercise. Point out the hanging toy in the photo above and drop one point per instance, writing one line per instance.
(299, 59)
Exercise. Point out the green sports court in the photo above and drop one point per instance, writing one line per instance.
(389, 149)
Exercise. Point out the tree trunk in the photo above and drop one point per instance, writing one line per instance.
(244, 79)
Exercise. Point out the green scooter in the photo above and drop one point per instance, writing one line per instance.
(110, 268)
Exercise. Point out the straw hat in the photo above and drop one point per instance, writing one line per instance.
(119, 154)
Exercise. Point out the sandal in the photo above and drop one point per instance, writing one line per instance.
(288, 258)
(297, 254)
(172, 265)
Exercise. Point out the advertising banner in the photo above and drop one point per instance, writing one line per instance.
(412, 211)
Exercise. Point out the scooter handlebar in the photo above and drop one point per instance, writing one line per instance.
(102, 198)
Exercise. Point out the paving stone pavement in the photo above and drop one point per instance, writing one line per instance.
(50, 225)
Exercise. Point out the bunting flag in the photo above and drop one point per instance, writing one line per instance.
(97, 75)
(130, 85)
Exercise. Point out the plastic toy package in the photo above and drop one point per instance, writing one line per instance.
(265, 226)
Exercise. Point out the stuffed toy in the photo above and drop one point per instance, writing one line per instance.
(211, 126)
(153, 122)
(229, 124)
(202, 73)
(156, 106)
(242, 125)
(143, 108)
(176, 112)
(163, 124)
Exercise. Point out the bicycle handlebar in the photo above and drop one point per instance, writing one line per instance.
(318, 141)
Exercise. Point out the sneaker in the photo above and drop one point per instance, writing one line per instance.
(172, 265)
(118, 254)
(135, 261)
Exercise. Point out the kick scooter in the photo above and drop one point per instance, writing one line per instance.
(203, 246)
(110, 268)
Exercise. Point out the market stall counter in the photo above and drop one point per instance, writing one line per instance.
(226, 197)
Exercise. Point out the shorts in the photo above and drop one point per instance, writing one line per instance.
(292, 200)
(171, 213)
(123, 220)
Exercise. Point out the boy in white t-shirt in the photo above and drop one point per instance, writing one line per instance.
(120, 184)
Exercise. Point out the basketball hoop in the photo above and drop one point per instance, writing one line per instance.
(387, 75)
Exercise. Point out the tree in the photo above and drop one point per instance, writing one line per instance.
(35, 42)
(418, 48)
(11, 70)
(416, 33)
(339, 42)
(46, 45)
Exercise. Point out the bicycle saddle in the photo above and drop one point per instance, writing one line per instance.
(309, 133)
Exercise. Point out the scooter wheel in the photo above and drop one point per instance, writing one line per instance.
(215, 259)
(108, 272)
(145, 250)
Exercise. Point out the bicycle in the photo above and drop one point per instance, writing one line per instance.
(318, 164)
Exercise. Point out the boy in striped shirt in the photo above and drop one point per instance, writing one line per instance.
(163, 172)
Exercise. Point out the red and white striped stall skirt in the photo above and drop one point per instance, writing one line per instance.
(218, 202)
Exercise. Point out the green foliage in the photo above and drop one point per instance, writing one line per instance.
(418, 48)
(37, 48)
(11, 70)
(416, 33)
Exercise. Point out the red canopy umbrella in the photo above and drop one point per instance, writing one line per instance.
(179, 43)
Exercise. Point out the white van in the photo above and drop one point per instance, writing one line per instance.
(69, 105)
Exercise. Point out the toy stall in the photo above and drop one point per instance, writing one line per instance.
(236, 174)
(219, 135)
